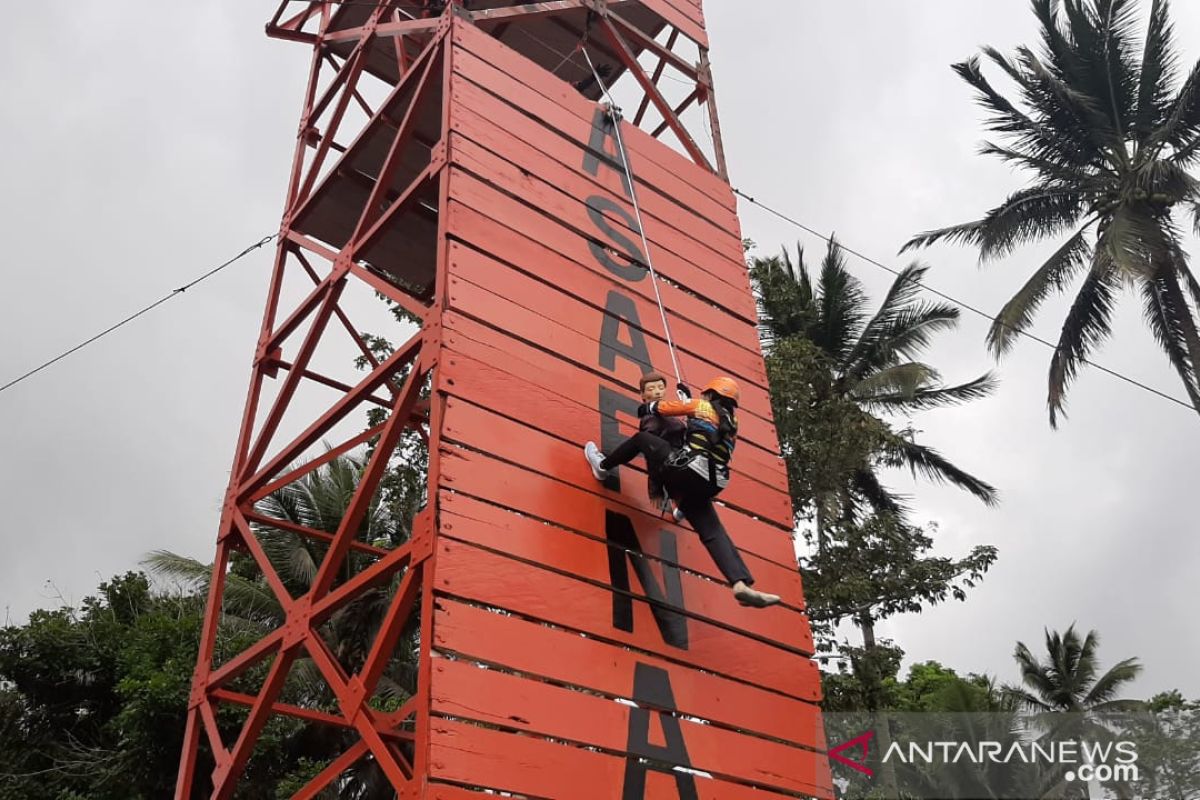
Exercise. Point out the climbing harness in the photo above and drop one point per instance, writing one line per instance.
(615, 113)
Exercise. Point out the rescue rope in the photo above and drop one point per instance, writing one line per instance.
(615, 113)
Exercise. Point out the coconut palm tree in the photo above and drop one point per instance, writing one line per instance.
(1108, 136)
(318, 500)
(835, 365)
(1066, 689)
(1067, 681)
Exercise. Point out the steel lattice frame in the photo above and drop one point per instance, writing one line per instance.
(409, 49)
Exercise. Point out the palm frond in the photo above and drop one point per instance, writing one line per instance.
(1173, 325)
(784, 295)
(1025, 699)
(902, 380)
(1004, 115)
(181, 569)
(1054, 275)
(1028, 215)
(1068, 148)
(248, 599)
(1182, 121)
(909, 332)
(1087, 324)
(1187, 278)
(842, 303)
(901, 327)
(1073, 112)
(936, 397)
(934, 466)
(1105, 689)
(1049, 170)
(1159, 65)
(967, 233)
(1034, 674)
(865, 485)
(1115, 63)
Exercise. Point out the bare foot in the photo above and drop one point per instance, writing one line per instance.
(753, 598)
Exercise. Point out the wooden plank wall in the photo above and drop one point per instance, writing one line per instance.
(547, 329)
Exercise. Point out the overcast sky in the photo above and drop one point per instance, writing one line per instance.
(149, 141)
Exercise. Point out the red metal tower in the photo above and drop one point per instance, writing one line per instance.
(484, 195)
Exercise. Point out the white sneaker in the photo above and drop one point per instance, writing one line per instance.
(677, 514)
(594, 457)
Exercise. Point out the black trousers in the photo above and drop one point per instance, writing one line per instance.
(692, 493)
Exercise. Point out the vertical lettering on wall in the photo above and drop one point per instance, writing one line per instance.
(596, 206)
(612, 403)
(618, 309)
(672, 625)
(652, 686)
(603, 140)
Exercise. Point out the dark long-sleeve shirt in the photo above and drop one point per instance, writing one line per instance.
(672, 429)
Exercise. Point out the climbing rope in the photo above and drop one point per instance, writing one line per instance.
(615, 112)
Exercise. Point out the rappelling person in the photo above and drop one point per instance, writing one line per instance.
(694, 473)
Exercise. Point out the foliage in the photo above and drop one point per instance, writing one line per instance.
(1067, 680)
(838, 372)
(1108, 135)
(880, 567)
(319, 501)
(91, 698)
(834, 366)
(1168, 747)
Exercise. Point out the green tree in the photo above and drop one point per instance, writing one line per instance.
(1168, 747)
(1068, 680)
(1108, 136)
(91, 698)
(1066, 692)
(836, 370)
(932, 687)
(319, 501)
(833, 366)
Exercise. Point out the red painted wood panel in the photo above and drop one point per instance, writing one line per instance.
(479, 385)
(521, 83)
(521, 646)
(510, 441)
(557, 234)
(690, 553)
(536, 767)
(560, 301)
(538, 495)
(554, 376)
(480, 576)
(689, 334)
(560, 194)
(531, 146)
(684, 17)
(576, 350)
(574, 418)
(562, 134)
(587, 559)
(542, 315)
(480, 371)
(576, 271)
(465, 691)
(548, 318)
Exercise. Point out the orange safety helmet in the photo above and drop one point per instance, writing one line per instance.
(725, 387)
